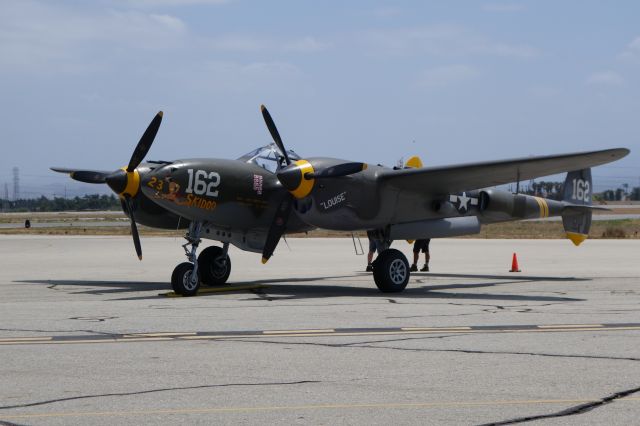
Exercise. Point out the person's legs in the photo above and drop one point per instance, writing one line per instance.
(372, 249)
(416, 255)
(427, 256)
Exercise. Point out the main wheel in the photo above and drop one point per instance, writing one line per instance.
(214, 268)
(181, 280)
(391, 271)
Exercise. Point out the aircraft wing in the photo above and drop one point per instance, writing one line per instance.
(466, 177)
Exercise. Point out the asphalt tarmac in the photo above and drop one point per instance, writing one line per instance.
(87, 336)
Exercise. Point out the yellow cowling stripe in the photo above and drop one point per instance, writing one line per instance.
(545, 206)
(305, 184)
(133, 183)
(539, 206)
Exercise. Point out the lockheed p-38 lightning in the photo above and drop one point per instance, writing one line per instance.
(253, 201)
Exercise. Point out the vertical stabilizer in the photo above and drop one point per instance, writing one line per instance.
(414, 162)
(577, 191)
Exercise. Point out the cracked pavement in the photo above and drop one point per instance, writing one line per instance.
(94, 286)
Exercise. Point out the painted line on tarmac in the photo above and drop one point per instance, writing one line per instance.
(325, 331)
(26, 339)
(571, 326)
(399, 405)
(133, 335)
(432, 328)
(335, 332)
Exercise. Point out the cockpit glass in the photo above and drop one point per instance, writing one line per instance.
(268, 157)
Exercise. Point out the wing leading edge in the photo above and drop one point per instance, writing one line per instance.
(466, 177)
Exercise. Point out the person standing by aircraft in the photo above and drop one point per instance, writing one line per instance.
(418, 246)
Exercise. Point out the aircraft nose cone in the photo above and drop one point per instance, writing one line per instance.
(117, 181)
(295, 178)
(124, 183)
(290, 177)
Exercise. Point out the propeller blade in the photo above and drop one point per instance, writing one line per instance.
(277, 228)
(145, 143)
(274, 132)
(344, 169)
(87, 176)
(134, 227)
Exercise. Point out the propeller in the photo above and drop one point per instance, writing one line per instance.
(278, 226)
(86, 176)
(134, 227)
(298, 178)
(274, 132)
(126, 181)
(144, 144)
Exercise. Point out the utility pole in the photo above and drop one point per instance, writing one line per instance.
(5, 200)
(16, 184)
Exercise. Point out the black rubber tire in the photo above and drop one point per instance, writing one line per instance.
(180, 280)
(391, 271)
(210, 266)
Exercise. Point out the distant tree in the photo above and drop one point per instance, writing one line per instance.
(552, 190)
(44, 204)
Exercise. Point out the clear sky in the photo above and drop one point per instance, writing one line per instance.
(374, 81)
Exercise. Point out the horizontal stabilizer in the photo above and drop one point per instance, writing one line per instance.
(568, 208)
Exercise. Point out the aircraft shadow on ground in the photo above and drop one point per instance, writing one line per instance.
(295, 288)
(281, 290)
(102, 287)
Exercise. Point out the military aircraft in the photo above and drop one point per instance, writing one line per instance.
(253, 201)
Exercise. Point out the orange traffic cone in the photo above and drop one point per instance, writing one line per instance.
(514, 264)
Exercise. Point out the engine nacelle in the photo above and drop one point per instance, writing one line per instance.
(501, 205)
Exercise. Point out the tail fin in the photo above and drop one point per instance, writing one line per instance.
(414, 162)
(577, 194)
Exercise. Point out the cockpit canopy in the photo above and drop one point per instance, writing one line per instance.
(268, 157)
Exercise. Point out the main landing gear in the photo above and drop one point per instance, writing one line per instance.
(212, 267)
(391, 271)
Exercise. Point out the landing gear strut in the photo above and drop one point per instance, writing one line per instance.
(185, 279)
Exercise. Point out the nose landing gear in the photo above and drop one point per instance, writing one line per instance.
(212, 267)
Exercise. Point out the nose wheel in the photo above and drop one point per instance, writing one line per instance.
(184, 279)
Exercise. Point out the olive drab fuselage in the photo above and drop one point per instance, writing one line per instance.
(228, 194)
